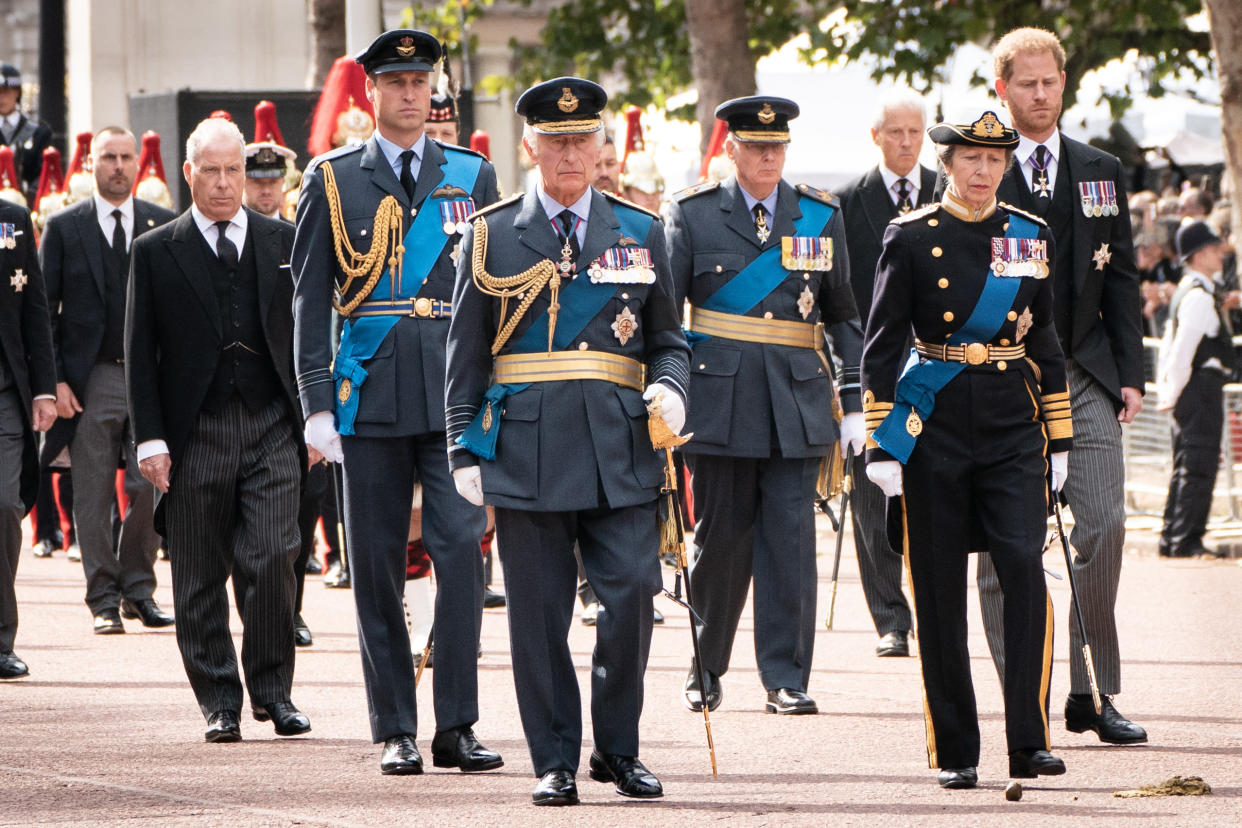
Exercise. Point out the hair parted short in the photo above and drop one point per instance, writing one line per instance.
(1022, 41)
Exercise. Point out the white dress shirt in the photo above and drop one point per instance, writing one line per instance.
(107, 224)
(1025, 154)
(890, 182)
(580, 208)
(1196, 318)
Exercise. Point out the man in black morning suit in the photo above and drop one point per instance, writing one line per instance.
(894, 187)
(85, 259)
(1097, 311)
(208, 360)
(382, 414)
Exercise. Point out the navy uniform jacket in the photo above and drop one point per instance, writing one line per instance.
(577, 444)
(29, 140)
(404, 391)
(929, 278)
(1106, 328)
(741, 391)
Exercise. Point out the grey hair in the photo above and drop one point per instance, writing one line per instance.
(206, 131)
(895, 100)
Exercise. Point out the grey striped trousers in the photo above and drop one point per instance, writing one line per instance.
(1095, 491)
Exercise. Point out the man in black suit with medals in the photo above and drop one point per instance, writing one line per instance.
(377, 231)
(85, 258)
(894, 187)
(1079, 191)
(208, 346)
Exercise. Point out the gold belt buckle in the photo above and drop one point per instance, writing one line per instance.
(422, 306)
(976, 353)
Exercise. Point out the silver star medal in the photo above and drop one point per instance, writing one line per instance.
(18, 280)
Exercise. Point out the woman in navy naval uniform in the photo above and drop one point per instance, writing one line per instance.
(966, 431)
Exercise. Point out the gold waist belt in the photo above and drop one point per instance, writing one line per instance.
(569, 365)
(757, 329)
(976, 353)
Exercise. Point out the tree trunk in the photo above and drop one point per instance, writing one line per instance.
(327, 22)
(720, 57)
(1225, 18)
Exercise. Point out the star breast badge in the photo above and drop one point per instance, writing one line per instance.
(1102, 256)
(18, 280)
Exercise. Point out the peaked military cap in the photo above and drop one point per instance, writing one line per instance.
(400, 50)
(10, 75)
(987, 131)
(563, 106)
(759, 118)
(443, 108)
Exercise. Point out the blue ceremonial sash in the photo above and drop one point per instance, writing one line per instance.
(754, 282)
(424, 242)
(923, 379)
(581, 300)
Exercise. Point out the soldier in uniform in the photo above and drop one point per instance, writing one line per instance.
(765, 268)
(569, 290)
(971, 277)
(442, 123)
(377, 228)
(267, 160)
(28, 138)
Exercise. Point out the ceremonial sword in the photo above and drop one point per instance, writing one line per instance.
(1082, 626)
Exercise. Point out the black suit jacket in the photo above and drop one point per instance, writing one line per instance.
(173, 330)
(1107, 322)
(25, 335)
(868, 208)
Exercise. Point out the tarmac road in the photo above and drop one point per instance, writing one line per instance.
(105, 730)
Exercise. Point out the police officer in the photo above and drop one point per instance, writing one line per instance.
(27, 137)
(764, 266)
(570, 288)
(971, 420)
(377, 234)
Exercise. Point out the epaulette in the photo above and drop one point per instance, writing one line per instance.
(627, 203)
(456, 148)
(1023, 213)
(921, 212)
(504, 202)
(695, 189)
(331, 154)
(819, 195)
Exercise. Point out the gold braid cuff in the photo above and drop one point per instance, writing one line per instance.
(530, 282)
(387, 247)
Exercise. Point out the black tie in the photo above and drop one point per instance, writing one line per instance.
(407, 177)
(225, 249)
(904, 205)
(118, 236)
(567, 222)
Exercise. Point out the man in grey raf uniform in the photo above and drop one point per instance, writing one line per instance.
(377, 226)
(570, 289)
(765, 268)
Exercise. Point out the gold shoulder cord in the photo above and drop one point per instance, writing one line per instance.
(386, 236)
(529, 281)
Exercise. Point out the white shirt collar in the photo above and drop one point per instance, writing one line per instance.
(891, 178)
(104, 208)
(236, 230)
(1206, 281)
(13, 118)
(1026, 147)
(580, 208)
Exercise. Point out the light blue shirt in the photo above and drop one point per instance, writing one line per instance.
(580, 208)
(393, 153)
(769, 203)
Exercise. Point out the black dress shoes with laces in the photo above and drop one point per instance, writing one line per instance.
(459, 748)
(1028, 764)
(894, 644)
(692, 694)
(1109, 725)
(630, 775)
(148, 611)
(288, 720)
(12, 667)
(958, 778)
(223, 726)
(301, 632)
(401, 757)
(556, 787)
(108, 622)
(789, 702)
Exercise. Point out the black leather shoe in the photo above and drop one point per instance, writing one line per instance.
(590, 613)
(458, 748)
(957, 778)
(692, 696)
(44, 549)
(790, 702)
(1028, 764)
(148, 611)
(222, 726)
(12, 667)
(335, 577)
(492, 599)
(288, 720)
(401, 757)
(108, 622)
(557, 787)
(893, 644)
(301, 632)
(1111, 726)
(313, 567)
(630, 775)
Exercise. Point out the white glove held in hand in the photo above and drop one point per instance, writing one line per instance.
(672, 409)
(853, 434)
(469, 483)
(321, 435)
(887, 475)
(1060, 469)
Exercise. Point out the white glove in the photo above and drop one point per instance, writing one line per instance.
(887, 475)
(1060, 469)
(672, 409)
(853, 434)
(469, 483)
(321, 435)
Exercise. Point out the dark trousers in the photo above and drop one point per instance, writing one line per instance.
(619, 550)
(1198, 419)
(53, 483)
(317, 490)
(12, 510)
(232, 509)
(379, 490)
(980, 460)
(756, 516)
(879, 566)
